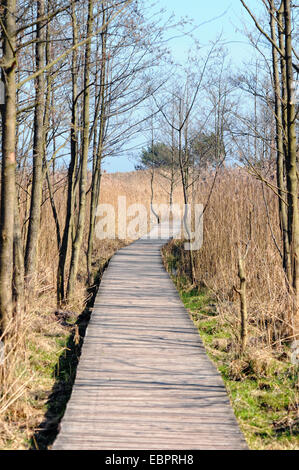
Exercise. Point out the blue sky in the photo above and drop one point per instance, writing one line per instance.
(213, 17)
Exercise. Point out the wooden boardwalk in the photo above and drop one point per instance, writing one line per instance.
(144, 380)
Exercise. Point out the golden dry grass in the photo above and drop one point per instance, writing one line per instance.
(242, 211)
(236, 208)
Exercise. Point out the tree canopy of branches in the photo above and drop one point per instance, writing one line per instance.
(75, 74)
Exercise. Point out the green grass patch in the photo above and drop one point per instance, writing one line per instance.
(265, 401)
(263, 390)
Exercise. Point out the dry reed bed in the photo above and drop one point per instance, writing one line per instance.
(237, 208)
(39, 338)
(262, 381)
(242, 212)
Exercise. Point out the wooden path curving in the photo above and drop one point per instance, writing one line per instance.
(144, 380)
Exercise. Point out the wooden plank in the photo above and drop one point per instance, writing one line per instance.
(144, 380)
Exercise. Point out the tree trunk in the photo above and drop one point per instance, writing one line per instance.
(96, 177)
(18, 274)
(8, 165)
(152, 195)
(184, 169)
(38, 150)
(84, 157)
(280, 159)
(243, 303)
(292, 180)
(71, 170)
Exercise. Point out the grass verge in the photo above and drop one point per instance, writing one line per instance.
(45, 363)
(263, 386)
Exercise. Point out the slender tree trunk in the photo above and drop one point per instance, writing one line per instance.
(283, 73)
(152, 195)
(95, 193)
(172, 177)
(18, 275)
(184, 169)
(152, 170)
(53, 207)
(8, 164)
(71, 170)
(46, 169)
(292, 180)
(243, 303)
(280, 159)
(84, 157)
(38, 150)
(96, 177)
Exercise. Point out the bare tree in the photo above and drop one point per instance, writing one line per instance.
(280, 38)
(38, 146)
(83, 160)
(8, 65)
